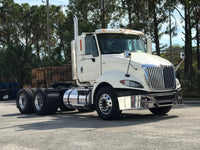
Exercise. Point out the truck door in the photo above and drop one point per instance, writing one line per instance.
(89, 65)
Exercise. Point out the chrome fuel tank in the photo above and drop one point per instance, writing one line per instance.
(76, 97)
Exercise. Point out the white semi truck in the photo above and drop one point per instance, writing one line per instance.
(114, 70)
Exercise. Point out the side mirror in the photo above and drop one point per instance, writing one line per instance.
(149, 46)
(182, 55)
(127, 54)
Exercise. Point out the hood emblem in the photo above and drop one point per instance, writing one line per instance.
(161, 66)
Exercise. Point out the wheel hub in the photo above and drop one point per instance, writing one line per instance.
(105, 104)
(22, 101)
(38, 102)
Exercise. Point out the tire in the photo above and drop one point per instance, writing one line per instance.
(24, 101)
(106, 104)
(45, 103)
(160, 110)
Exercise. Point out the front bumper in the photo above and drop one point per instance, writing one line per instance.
(150, 100)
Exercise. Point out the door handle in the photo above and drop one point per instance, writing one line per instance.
(93, 59)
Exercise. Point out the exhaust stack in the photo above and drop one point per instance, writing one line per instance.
(75, 27)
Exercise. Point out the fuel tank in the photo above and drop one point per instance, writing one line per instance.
(77, 98)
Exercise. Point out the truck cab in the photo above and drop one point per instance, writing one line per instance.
(121, 60)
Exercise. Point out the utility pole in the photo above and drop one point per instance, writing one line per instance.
(48, 28)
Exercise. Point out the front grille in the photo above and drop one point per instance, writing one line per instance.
(160, 77)
(169, 77)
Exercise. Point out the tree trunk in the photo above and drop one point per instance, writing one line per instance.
(129, 14)
(156, 31)
(186, 67)
(38, 49)
(103, 24)
(197, 39)
(188, 43)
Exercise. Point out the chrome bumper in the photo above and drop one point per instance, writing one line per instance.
(150, 100)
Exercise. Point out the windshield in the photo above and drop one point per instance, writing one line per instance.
(118, 43)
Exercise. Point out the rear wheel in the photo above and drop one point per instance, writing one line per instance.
(160, 110)
(44, 103)
(24, 101)
(106, 104)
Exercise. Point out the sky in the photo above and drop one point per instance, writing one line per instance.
(39, 2)
(177, 40)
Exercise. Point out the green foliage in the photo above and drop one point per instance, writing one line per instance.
(23, 32)
(23, 40)
(190, 86)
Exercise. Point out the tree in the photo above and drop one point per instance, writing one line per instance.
(8, 30)
(159, 16)
(188, 8)
(196, 18)
(23, 39)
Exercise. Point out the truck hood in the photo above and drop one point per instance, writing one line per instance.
(144, 58)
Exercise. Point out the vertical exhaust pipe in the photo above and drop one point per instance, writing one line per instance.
(74, 50)
(75, 27)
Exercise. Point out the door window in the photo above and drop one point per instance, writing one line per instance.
(90, 46)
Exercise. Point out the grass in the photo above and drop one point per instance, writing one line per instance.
(191, 98)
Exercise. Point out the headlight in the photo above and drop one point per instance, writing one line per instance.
(130, 83)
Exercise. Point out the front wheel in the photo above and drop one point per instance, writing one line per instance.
(160, 110)
(106, 104)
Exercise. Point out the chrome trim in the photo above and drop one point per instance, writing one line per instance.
(105, 104)
(73, 60)
(150, 101)
(76, 97)
(160, 103)
(160, 77)
(22, 101)
(38, 102)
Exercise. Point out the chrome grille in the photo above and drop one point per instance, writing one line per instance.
(160, 77)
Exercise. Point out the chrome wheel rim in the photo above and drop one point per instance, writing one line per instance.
(38, 102)
(22, 101)
(105, 104)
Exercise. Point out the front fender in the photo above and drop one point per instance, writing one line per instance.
(113, 78)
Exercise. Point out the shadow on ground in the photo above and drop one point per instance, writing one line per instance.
(83, 120)
(90, 120)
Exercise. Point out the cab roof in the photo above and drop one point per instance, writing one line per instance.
(122, 31)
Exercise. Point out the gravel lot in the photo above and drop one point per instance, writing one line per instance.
(179, 130)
